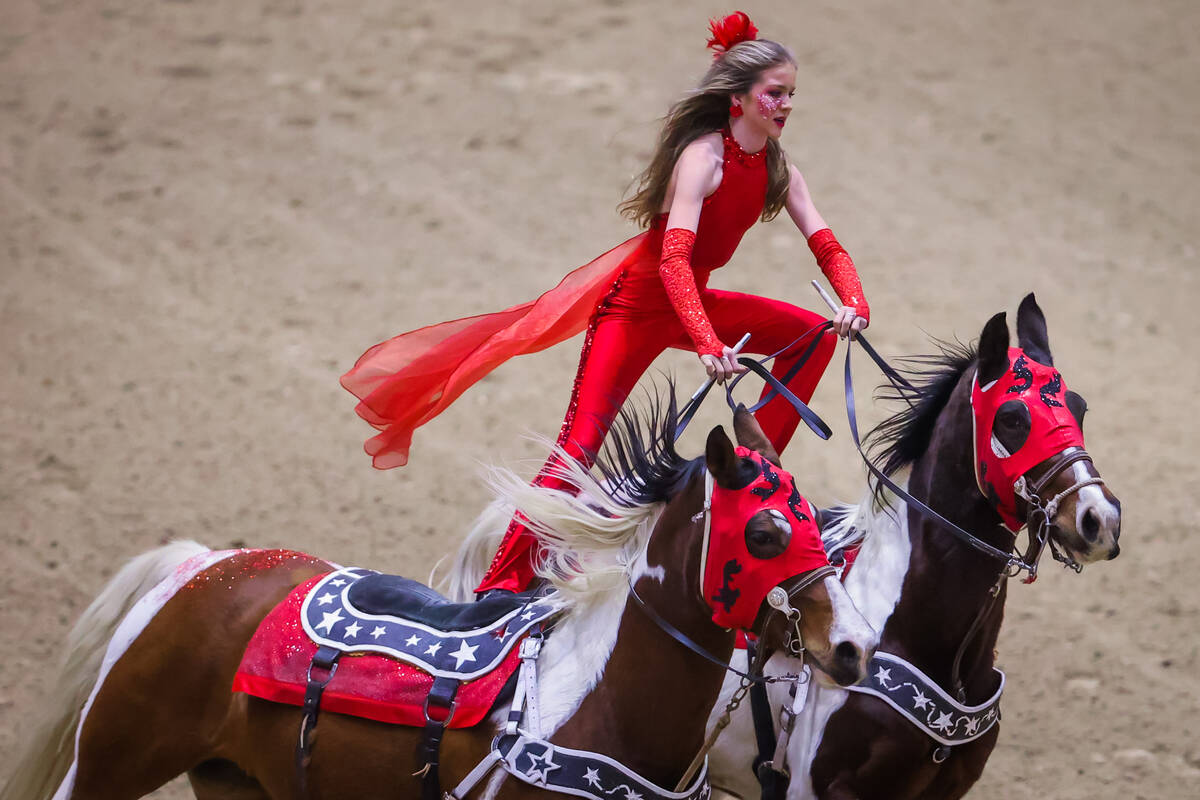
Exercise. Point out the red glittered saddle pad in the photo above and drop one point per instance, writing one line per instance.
(366, 684)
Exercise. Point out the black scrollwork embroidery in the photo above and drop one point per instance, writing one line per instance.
(772, 478)
(1052, 387)
(1020, 371)
(727, 595)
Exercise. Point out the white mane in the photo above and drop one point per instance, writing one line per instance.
(594, 545)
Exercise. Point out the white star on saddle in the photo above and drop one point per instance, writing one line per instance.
(338, 582)
(592, 776)
(325, 599)
(433, 648)
(379, 631)
(413, 640)
(943, 722)
(920, 700)
(352, 630)
(330, 619)
(464, 653)
(883, 676)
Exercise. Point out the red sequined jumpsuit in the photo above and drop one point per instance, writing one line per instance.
(636, 322)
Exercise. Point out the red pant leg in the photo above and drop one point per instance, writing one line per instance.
(772, 325)
(616, 353)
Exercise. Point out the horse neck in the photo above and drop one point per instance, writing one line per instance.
(650, 707)
(949, 585)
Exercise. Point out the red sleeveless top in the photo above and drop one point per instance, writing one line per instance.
(408, 380)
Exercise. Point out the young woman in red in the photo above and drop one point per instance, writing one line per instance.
(717, 169)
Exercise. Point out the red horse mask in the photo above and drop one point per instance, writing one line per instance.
(1052, 429)
(735, 582)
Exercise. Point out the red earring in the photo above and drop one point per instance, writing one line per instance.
(735, 111)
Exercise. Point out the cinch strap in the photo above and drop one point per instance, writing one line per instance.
(320, 673)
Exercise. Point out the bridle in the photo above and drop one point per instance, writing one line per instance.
(1040, 513)
(778, 599)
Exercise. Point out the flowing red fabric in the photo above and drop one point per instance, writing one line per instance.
(408, 380)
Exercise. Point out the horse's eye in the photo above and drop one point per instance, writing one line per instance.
(768, 534)
(1013, 423)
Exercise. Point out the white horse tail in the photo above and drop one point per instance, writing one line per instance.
(50, 749)
(474, 555)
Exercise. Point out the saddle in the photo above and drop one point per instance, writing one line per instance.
(380, 642)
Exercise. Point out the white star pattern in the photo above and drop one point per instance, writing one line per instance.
(433, 648)
(592, 776)
(325, 599)
(338, 582)
(352, 630)
(330, 619)
(972, 725)
(528, 614)
(379, 631)
(542, 773)
(943, 722)
(920, 700)
(465, 652)
(413, 640)
(883, 676)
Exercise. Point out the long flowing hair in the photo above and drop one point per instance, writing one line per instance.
(704, 110)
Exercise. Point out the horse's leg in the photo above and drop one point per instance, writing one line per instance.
(223, 780)
(166, 705)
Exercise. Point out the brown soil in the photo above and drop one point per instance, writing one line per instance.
(207, 210)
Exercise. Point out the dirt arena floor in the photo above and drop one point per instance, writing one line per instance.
(209, 209)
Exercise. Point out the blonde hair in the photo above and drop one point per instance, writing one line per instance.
(704, 110)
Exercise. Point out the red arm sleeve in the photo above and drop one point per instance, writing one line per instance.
(836, 264)
(680, 283)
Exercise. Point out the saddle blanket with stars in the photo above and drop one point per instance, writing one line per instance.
(388, 664)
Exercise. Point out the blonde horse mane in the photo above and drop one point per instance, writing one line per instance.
(590, 536)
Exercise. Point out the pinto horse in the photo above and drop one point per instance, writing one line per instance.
(147, 692)
(937, 601)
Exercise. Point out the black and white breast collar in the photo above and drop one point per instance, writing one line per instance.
(522, 751)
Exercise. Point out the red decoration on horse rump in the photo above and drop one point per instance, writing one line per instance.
(275, 667)
(1052, 429)
(734, 581)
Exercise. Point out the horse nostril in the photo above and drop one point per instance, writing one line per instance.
(847, 653)
(1116, 551)
(1090, 525)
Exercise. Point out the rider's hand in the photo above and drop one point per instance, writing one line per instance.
(722, 367)
(847, 322)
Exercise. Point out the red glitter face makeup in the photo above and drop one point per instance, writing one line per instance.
(771, 98)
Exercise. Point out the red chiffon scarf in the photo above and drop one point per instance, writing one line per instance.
(410, 379)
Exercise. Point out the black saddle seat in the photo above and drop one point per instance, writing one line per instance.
(394, 596)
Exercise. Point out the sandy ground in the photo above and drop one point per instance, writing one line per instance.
(208, 210)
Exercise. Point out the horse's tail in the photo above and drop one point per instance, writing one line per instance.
(474, 555)
(50, 749)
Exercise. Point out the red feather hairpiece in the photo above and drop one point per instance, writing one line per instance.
(729, 31)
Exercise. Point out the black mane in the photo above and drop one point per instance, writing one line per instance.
(902, 438)
(639, 456)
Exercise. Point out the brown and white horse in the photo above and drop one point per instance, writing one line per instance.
(938, 602)
(147, 692)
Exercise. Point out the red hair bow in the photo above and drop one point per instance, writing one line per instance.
(731, 30)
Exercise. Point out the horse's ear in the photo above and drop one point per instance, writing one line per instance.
(993, 349)
(722, 459)
(750, 434)
(1031, 331)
